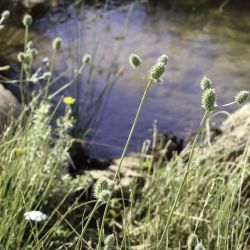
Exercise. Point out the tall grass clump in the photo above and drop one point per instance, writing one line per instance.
(197, 200)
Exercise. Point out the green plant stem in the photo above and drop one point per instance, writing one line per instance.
(122, 157)
(184, 178)
(89, 218)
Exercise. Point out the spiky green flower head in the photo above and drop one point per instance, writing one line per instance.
(27, 20)
(109, 242)
(156, 71)
(134, 60)
(242, 96)
(103, 184)
(57, 43)
(205, 83)
(192, 241)
(5, 14)
(163, 59)
(200, 161)
(86, 58)
(199, 246)
(208, 99)
(104, 196)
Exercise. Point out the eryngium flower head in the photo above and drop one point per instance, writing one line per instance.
(163, 59)
(35, 216)
(57, 43)
(192, 241)
(208, 99)
(205, 83)
(156, 71)
(109, 241)
(103, 184)
(27, 20)
(104, 196)
(134, 60)
(199, 246)
(200, 161)
(86, 58)
(242, 96)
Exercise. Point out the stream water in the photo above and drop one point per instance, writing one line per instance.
(197, 43)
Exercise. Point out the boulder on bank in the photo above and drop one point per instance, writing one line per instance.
(9, 106)
(228, 145)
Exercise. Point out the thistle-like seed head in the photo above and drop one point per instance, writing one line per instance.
(199, 246)
(104, 196)
(192, 241)
(205, 83)
(208, 99)
(200, 161)
(156, 71)
(86, 58)
(242, 96)
(5, 14)
(27, 20)
(103, 184)
(57, 43)
(109, 241)
(134, 60)
(163, 59)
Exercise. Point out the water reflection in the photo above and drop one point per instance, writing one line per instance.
(196, 43)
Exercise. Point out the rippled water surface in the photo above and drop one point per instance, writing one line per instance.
(197, 43)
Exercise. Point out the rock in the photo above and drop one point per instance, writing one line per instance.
(235, 134)
(129, 170)
(9, 106)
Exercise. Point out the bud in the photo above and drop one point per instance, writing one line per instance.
(5, 14)
(163, 59)
(57, 42)
(200, 161)
(109, 242)
(27, 20)
(205, 83)
(199, 246)
(156, 71)
(134, 60)
(242, 96)
(86, 58)
(192, 241)
(208, 99)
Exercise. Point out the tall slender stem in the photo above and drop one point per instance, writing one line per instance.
(184, 178)
(122, 157)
